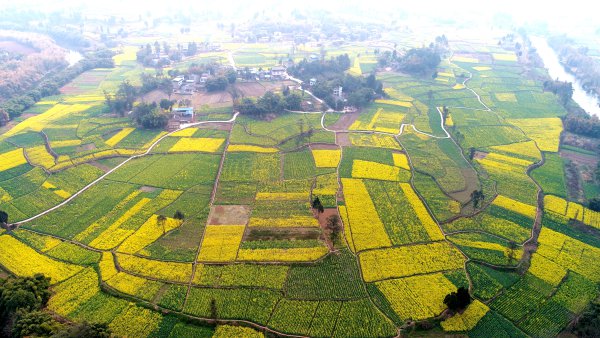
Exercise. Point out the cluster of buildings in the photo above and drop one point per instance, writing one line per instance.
(188, 84)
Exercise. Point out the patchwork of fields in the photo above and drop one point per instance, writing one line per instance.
(217, 222)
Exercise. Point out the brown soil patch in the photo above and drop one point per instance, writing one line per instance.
(86, 147)
(255, 89)
(579, 158)
(324, 146)
(229, 214)
(343, 140)
(146, 188)
(217, 125)
(479, 155)
(199, 99)
(344, 122)
(277, 233)
(100, 166)
(471, 184)
(323, 223)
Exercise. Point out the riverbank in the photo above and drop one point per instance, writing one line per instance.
(588, 102)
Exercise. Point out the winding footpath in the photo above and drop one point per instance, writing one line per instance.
(232, 119)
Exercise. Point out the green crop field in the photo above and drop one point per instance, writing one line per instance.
(216, 222)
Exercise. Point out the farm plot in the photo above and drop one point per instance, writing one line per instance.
(409, 260)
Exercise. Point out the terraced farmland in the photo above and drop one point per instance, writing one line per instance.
(216, 221)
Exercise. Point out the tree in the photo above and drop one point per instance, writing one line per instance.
(588, 324)
(166, 104)
(216, 84)
(477, 197)
(3, 217)
(292, 102)
(270, 102)
(231, 76)
(35, 323)
(594, 204)
(471, 153)
(333, 226)
(4, 117)
(458, 300)
(85, 330)
(161, 220)
(316, 204)
(179, 215)
(512, 246)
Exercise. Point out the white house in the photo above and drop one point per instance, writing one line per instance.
(278, 72)
(177, 82)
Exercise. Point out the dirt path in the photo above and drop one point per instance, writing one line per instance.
(115, 168)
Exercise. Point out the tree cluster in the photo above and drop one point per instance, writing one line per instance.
(582, 124)
(22, 303)
(305, 69)
(148, 53)
(459, 300)
(564, 90)
(419, 61)
(122, 101)
(269, 103)
(150, 116)
(51, 84)
(577, 61)
(588, 324)
(331, 74)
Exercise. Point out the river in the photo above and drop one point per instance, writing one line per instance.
(586, 101)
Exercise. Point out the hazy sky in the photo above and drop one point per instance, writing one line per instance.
(574, 14)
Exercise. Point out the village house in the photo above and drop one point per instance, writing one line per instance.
(278, 72)
(182, 114)
(177, 82)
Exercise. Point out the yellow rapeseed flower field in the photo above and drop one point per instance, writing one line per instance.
(22, 260)
(395, 103)
(428, 223)
(401, 161)
(368, 232)
(575, 211)
(149, 232)
(326, 158)
(418, 297)
(187, 132)
(250, 148)
(527, 148)
(39, 156)
(374, 170)
(107, 266)
(516, 206)
(39, 122)
(570, 253)
(544, 131)
(555, 204)
(468, 319)
(226, 331)
(409, 260)
(11, 159)
(114, 235)
(186, 144)
(221, 243)
(546, 269)
(118, 137)
(64, 143)
(173, 271)
(67, 296)
(506, 97)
